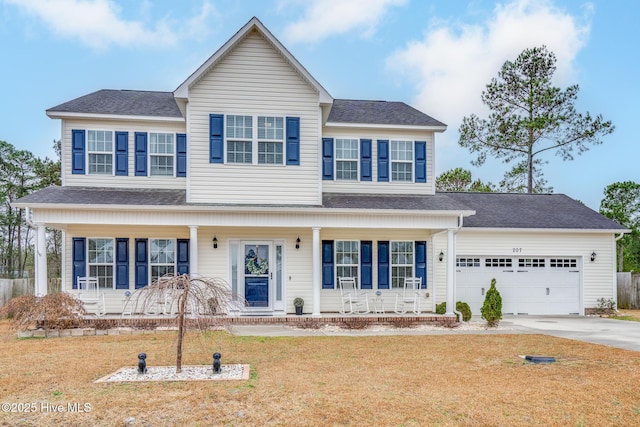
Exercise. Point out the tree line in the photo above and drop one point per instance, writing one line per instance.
(22, 173)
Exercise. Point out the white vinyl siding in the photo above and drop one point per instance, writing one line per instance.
(110, 180)
(161, 154)
(253, 79)
(100, 152)
(347, 159)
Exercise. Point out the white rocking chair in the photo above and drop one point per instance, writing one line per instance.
(410, 296)
(90, 295)
(353, 301)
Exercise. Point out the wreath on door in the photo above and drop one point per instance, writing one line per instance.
(254, 264)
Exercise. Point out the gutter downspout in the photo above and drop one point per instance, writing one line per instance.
(460, 222)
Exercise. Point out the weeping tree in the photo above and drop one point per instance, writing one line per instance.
(530, 117)
(194, 298)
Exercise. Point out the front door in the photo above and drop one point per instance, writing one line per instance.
(257, 274)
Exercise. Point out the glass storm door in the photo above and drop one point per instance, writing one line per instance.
(257, 274)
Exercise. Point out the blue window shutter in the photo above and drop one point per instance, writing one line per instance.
(77, 151)
(122, 263)
(327, 265)
(216, 138)
(142, 263)
(141, 153)
(421, 262)
(327, 158)
(181, 154)
(383, 265)
(365, 160)
(79, 250)
(366, 264)
(421, 161)
(122, 153)
(183, 256)
(383, 160)
(293, 140)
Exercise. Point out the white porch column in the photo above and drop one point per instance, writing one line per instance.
(317, 281)
(193, 250)
(41, 261)
(451, 263)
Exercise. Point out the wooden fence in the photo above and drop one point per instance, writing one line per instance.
(10, 288)
(629, 291)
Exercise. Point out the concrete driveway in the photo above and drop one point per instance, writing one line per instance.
(597, 330)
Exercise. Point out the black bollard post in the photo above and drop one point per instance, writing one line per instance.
(216, 362)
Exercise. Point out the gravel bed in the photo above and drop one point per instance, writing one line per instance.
(462, 326)
(189, 373)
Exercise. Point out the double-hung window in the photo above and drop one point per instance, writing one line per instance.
(347, 258)
(402, 161)
(239, 139)
(270, 140)
(161, 153)
(100, 152)
(347, 159)
(162, 258)
(401, 263)
(100, 261)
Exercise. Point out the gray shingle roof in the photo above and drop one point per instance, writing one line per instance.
(379, 112)
(493, 210)
(545, 211)
(122, 102)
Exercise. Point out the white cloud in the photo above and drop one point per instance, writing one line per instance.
(324, 18)
(99, 24)
(452, 65)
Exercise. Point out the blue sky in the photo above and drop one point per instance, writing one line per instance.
(435, 55)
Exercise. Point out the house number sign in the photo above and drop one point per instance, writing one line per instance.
(517, 250)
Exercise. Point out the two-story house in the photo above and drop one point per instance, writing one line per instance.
(251, 171)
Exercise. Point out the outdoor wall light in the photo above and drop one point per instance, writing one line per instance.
(441, 256)
(215, 242)
(298, 243)
(593, 256)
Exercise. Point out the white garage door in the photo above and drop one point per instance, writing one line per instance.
(545, 285)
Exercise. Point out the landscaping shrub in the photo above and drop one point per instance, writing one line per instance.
(53, 311)
(492, 308)
(462, 307)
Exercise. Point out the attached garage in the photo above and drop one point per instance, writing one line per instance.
(541, 285)
(549, 254)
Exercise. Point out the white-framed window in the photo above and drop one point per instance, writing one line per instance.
(270, 140)
(347, 258)
(532, 262)
(563, 262)
(100, 152)
(402, 161)
(162, 153)
(498, 262)
(347, 159)
(162, 257)
(468, 262)
(100, 260)
(402, 262)
(239, 139)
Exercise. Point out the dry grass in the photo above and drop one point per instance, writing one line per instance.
(469, 380)
(633, 315)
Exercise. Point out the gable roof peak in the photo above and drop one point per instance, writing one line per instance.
(254, 24)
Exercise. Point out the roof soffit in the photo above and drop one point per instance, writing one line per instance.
(253, 25)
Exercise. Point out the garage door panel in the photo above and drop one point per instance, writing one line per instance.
(533, 286)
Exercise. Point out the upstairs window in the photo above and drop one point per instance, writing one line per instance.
(162, 258)
(402, 161)
(100, 152)
(347, 159)
(161, 153)
(100, 261)
(270, 140)
(239, 139)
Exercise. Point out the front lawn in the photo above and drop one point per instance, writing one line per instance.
(453, 379)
